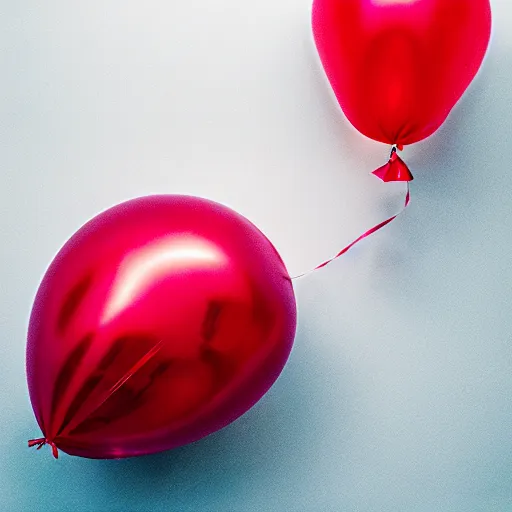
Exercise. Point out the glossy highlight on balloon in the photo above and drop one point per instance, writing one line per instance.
(398, 67)
(159, 322)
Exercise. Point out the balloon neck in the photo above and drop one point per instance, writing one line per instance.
(41, 442)
(395, 169)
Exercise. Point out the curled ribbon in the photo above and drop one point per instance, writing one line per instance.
(364, 235)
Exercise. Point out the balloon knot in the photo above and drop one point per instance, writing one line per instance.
(41, 442)
(396, 169)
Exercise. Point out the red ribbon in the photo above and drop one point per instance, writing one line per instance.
(41, 442)
(366, 233)
(395, 169)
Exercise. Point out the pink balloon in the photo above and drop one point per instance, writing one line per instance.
(398, 67)
(159, 322)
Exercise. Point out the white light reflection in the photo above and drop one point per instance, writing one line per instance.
(154, 261)
(383, 2)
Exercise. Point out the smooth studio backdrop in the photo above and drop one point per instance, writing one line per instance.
(398, 394)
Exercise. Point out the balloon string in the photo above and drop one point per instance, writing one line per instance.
(362, 237)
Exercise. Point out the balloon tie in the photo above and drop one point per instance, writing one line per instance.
(43, 441)
(395, 169)
(363, 236)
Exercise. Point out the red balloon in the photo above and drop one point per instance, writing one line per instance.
(398, 67)
(159, 322)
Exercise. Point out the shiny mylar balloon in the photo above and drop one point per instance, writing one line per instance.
(159, 322)
(398, 67)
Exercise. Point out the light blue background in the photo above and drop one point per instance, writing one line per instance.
(398, 394)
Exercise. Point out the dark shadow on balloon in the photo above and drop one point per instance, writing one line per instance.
(281, 429)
